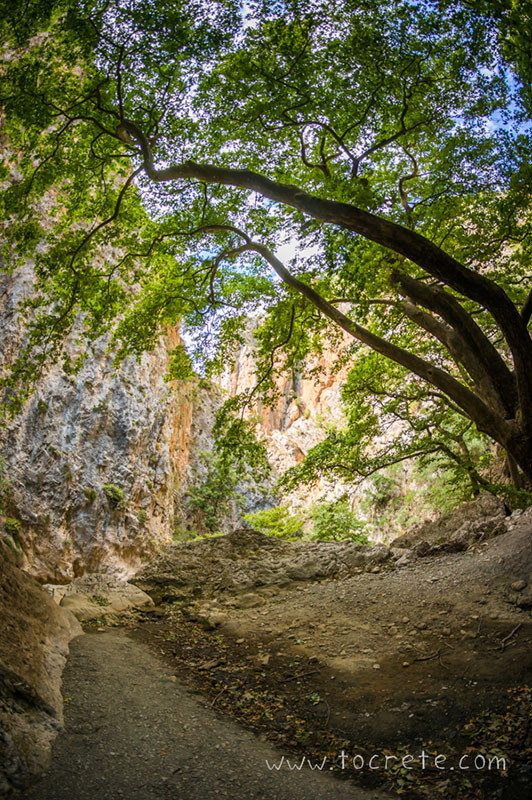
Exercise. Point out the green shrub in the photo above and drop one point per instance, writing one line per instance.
(6, 489)
(14, 547)
(90, 493)
(142, 516)
(333, 521)
(277, 521)
(98, 600)
(215, 495)
(114, 494)
(12, 526)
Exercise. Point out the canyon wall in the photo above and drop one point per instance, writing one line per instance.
(97, 462)
(307, 405)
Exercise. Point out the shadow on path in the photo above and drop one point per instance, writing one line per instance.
(132, 731)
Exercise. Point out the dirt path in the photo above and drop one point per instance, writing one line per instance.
(133, 731)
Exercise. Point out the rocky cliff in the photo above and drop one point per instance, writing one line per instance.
(308, 403)
(97, 461)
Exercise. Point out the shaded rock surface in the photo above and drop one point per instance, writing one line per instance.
(98, 596)
(34, 637)
(483, 517)
(248, 561)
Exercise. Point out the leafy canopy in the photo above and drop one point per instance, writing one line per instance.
(158, 155)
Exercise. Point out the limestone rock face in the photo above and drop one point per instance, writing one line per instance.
(481, 518)
(34, 637)
(96, 459)
(95, 596)
(308, 402)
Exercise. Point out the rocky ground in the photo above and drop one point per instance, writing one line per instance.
(330, 650)
(373, 650)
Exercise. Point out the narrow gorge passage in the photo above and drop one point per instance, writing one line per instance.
(133, 731)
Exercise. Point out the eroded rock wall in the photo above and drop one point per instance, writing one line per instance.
(308, 403)
(34, 637)
(77, 435)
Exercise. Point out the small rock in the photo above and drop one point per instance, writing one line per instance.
(406, 663)
(404, 561)
(518, 586)
(376, 666)
(249, 600)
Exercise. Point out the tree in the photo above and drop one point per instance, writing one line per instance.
(391, 418)
(179, 145)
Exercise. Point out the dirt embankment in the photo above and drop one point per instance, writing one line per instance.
(34, 637)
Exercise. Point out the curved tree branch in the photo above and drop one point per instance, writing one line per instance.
(490, 368)
(484, 417)
(389, 234)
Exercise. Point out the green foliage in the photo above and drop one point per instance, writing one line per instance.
(12, 526)
(390, 418)
(90, 494)
(334, 521)
(98, 600)
(214, 494)
(381, 492)
(236, 446)
(6, 487)
(142, 516)
(197, 536)
(366, 135)
(180, 365)
(512, 496)
(404, 495)
(278, 521)
(115, 495)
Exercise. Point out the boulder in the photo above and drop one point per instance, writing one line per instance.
(98, 596)
(481, 518)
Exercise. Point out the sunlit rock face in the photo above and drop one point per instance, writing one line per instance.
(308, 402)
(100, 461)
(127, 430)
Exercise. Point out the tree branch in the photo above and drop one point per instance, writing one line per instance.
(484, 417)
(489, 368)
(526, 311)
(395, 237)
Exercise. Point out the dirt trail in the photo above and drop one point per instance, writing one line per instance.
(133, 731)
